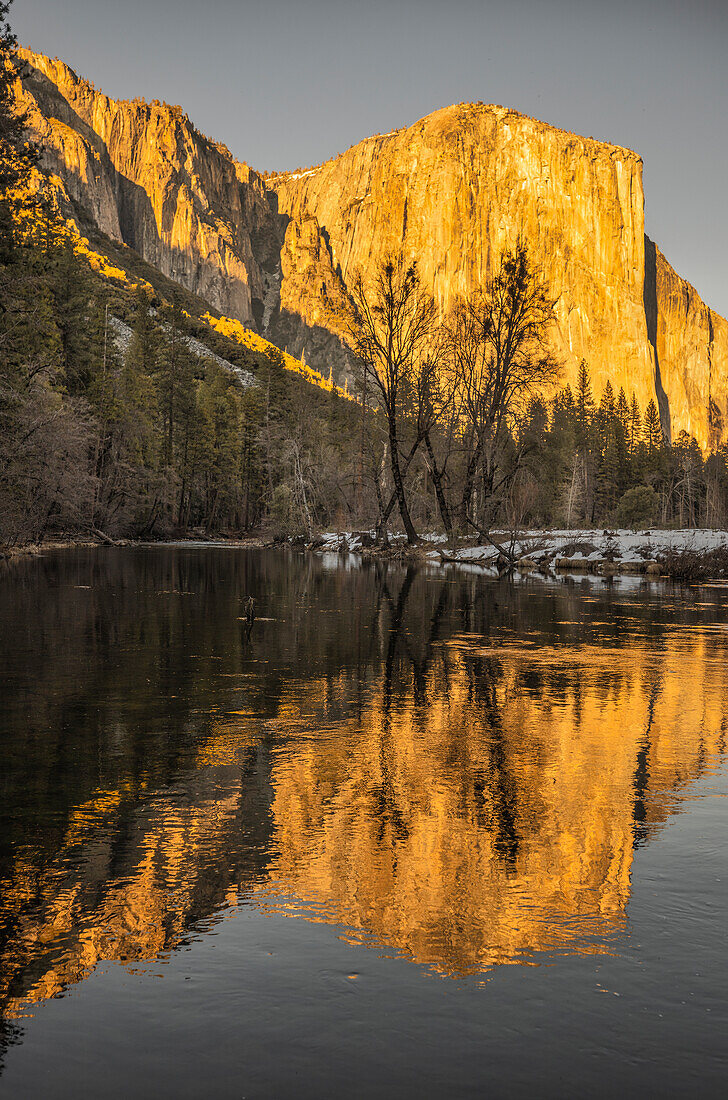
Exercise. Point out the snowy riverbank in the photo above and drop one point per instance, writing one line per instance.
(651, 552)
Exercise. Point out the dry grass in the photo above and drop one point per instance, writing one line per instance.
(693, 566)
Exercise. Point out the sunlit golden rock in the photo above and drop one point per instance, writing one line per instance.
(452, 191)
(148, 178)
(459, 186)
(692, 351)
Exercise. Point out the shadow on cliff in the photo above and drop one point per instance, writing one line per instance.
(135, 214)
(322, 349)
(323, 286)
(651, 312)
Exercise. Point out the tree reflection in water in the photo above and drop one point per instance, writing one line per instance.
(453, 768)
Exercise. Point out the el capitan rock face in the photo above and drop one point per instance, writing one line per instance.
(452, 190)
(459, 186)
(691, 343)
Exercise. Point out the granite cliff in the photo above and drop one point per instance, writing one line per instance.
(451, 190)
(145, 176)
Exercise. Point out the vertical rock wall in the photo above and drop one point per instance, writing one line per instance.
(145, 176)
(458, 187)
(451, 191)
(691, 344)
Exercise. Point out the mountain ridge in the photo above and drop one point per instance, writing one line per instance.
(496, 108)
(452, 189)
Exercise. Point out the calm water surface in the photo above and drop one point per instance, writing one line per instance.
(425, 834)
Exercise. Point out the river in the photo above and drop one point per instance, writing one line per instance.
(423, 833)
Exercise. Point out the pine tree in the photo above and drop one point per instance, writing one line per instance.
(174, 378)
(145, 347)
(689, 481)
(535, 424)
(103, 389)
(17, 154)
(567, 402)
(606, 405)
(635, 425)
(609, 472)
(652, 428)
(584, 461)
(70, 284)
(604, 419)
(138, 394)
(561, 413)
(614, 467)
(584, 405)
(216, 444)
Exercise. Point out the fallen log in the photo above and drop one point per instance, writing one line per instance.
(103, 537)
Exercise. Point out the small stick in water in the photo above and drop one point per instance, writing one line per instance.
(249, 616)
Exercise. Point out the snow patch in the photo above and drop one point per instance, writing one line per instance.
(123, 336)
(292, 175)
(579, 556)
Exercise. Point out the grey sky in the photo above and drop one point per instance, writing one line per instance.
(290, 82)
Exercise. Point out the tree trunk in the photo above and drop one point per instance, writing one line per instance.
(468, 487)
(439, 493)
(399, 484)
(385, 513)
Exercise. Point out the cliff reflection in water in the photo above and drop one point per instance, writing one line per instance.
(494, 816)
(452, 768)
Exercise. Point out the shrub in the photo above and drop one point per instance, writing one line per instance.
(285, 519)
(638, 507)
(693, 566)
(281, 512)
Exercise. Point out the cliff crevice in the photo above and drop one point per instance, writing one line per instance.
(651, 316)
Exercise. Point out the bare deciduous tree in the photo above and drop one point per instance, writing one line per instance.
(498, 346)
(391, 325)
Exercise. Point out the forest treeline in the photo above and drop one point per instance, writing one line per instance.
(481, 434)
(114, 421)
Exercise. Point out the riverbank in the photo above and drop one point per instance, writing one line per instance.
(685, 555)
(10, 553)
(688, 556)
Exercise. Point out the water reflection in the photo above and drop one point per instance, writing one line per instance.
(484, 801)
(451, 768)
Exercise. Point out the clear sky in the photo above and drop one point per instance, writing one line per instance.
(288, 83)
